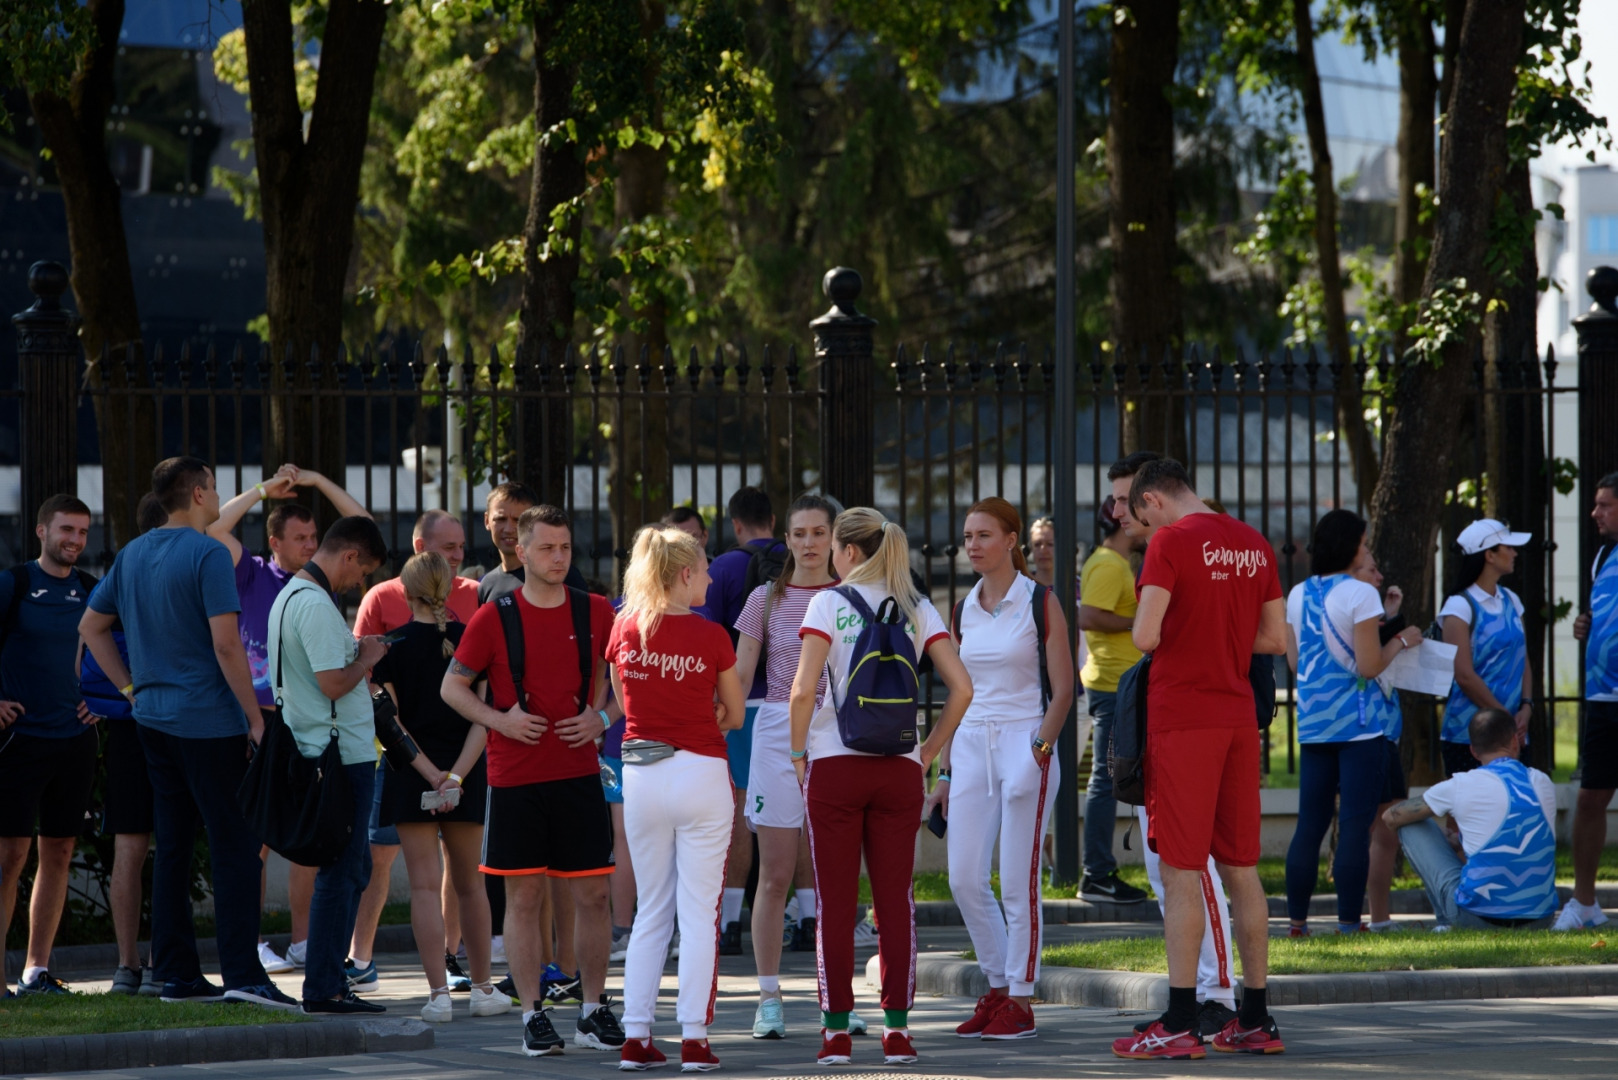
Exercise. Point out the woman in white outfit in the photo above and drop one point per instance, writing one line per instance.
(997, 778)
(768, 629)
(668, 665)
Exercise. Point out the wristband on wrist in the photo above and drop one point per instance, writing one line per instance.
(458, 781)
(1042, 746)
(262, 494)
(943, 778)
(606, 721)
(798, 755)
(126, 691)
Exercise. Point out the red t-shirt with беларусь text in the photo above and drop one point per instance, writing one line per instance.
(1219, 573)
(551, 679)
(669, 682)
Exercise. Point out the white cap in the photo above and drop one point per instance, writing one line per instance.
(1487, 533)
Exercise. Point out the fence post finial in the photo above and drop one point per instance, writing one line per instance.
(47, 375)
(845, 350)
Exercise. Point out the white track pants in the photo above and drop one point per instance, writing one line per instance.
(998, 792)
(1215, 980)
(677, 815)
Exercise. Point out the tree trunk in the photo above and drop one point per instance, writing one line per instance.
(551, 259)
(1428, 398)
(1518, 490)
(1418, 90)
(1147, 325)
(309, 187)
(75, 132)
(1349, 400)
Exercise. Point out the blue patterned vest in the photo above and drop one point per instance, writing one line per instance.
(1334, 703)
(1499, 655)
(1601, 647)
(1513, 876)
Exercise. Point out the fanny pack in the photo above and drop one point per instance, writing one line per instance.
(645, 751)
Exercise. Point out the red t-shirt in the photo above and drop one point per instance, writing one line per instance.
(669, 685)
(551, 677)
(1220, 573)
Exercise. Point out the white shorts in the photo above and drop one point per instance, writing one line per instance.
(774, 798)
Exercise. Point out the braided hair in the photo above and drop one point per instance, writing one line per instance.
(426, 577)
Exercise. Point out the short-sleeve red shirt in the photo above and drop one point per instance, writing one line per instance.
(1219, 573)
(551, 678)
(669, 683)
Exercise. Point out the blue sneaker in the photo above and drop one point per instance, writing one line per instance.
(361, 980)
(44, 984)
(265, 994)
(198, 989)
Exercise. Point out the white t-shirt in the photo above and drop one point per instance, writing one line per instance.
(1001, 652)
(1349, 603)
(1477, 800)
(1458, 607)
(832, 617)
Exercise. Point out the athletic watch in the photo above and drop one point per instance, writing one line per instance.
(1043, 747)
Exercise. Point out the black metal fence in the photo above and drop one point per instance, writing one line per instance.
(618, 438)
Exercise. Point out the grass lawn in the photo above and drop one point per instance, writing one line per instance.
(86, 1014)
(1409, 951)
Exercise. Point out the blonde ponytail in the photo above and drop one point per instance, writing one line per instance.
(660, 553)
(887, 555)
(427, 578)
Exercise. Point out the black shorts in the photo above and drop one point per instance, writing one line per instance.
(128, 796)
(1457, 757)
(1598, 752)
(402, 790)
(557, 827)
(1394, 786)
(47, 780)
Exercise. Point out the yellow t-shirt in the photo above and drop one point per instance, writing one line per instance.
(1107, 583)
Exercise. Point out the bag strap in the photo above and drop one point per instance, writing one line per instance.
(511, 627)
(280, 652)
(1601, 559)
(851, 594)
(1040, 593)
(579, 602)
(955, 618)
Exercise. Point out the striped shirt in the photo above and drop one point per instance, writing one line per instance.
(783, 646)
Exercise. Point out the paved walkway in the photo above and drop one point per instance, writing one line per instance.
(1555, 1038)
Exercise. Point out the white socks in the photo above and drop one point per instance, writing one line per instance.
(588, 1007)
(806, 904)
(730, 906)
(769, 984)
(30, 974)
(699, 1032)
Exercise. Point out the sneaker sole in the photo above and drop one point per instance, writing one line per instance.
(1098, 898)
(364, 987)
(1189, 1055)
(193, 1000)
(437, 1018)
(1255, 1050)
(836, 1059)
(484, 1010)
(550, 1051)
(1029, 1034)
(771, 1034)
(251, 999)
(899, 1059)
(693, 1066)
(640, 1066)
(593, 1042)
(969, 1034)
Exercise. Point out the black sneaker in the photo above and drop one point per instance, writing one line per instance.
(600, 1030)
(1109, 889)
(198, 989)
(1212, 1016)
(266, 994)
(803, 939)
(348, 1005)
(507, 987)
(457, 980)
(730, 939)
(539, 1038)
(563, 989)
(44, 984)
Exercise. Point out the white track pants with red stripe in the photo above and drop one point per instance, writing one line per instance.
(1215, 980)
(999, 793)
(677, 816)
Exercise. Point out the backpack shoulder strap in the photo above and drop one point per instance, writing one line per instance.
(579, 601)
(1477, 612)
(1040, 622)
(1601, 559)
(511, 626)
(87, 580)
(955, 618)
(852, 595)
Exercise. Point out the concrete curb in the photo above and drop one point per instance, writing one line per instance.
(193, 1046)
(1133, 990)
(103, 959)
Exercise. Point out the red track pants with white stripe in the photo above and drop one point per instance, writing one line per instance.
(868, 806)
(998, 791)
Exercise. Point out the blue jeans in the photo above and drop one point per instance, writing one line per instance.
(337, 896)
(1100, 808)
(1440, 869)
(194, 783)
(1347, 775)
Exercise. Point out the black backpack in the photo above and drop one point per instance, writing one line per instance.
(511, 625)
(19, 590)
(1040, 592)
(1126, 757)
(764, 566)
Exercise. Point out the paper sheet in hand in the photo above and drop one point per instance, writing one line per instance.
(1429, 668)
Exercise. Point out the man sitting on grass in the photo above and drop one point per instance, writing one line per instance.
(1501, 871)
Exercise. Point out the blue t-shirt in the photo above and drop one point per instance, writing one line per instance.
(727, 595)
(37, 668)
(165, 586)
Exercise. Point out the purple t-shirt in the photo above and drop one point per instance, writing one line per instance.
(258, 582)
(727, 595)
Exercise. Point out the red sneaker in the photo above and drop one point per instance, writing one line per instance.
(1298, 931)
(695, 1056)
(1013, 1021)
(897, 1049)
(987, 1006)
(836, 1048)
(1264, 1039)
(1158, 1042)
(637, 1056)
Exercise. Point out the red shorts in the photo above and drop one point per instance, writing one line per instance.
(1202, 796)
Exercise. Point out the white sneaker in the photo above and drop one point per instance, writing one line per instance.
(497, 953)
(1575, 916)
(298, 952)
(487, 1001)
(865, 936)
(620, 948)
(273, 964)
(439, 1009)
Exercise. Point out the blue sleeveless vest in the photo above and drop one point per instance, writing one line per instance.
(1601, 648)
(1334, 703)
(1513, 876)
(1499, 655)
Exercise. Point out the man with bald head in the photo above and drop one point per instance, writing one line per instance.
(385, 607)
